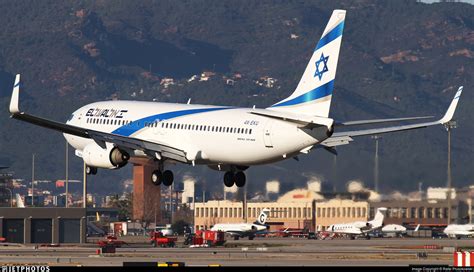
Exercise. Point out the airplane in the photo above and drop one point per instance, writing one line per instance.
(249, 230)
(458, 231)
(359, 228)
(108, 134)
(286, 232)
(396, 230)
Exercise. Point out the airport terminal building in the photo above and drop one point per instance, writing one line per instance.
(305, 209)
(301, 209)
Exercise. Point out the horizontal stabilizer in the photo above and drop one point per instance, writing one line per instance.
(377, 121)
(447, 117)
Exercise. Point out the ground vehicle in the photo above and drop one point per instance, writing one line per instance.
(312, 235)
(206, 237)
(159, 240)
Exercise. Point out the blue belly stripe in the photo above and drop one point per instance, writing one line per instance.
(129, 129)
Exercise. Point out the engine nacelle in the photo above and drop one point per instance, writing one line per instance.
(111, 158)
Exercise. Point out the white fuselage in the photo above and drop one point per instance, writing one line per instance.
(239, 229)
(209, 135)
(455, 230)
(350, 228)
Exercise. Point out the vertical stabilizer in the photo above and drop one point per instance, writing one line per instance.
(262, 217)
(378, 219)
(314, 91)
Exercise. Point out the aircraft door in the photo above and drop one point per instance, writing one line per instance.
(267, 134)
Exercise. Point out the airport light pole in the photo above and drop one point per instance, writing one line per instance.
(33, 181)
(67, 174)
(84, 187)
(334, 173)
(449, 126)
(376, 162)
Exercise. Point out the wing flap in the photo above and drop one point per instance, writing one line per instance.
(336, 140)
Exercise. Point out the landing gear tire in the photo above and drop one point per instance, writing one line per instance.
(240, 179)
(91, 170)
(168, 178)
(156, 177)
(251, 237)
(229, 179)
(236, 238)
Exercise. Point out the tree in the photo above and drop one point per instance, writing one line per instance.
(124, 206)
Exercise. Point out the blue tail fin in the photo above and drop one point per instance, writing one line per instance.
(314, 91)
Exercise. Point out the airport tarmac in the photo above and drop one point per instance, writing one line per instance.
(259, 252)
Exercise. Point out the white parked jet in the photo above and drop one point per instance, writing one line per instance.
(459, 231)
(359, 228)
(107, 134)
(244, 229)
(396, 230)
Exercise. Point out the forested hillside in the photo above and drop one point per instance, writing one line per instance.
(398, 58)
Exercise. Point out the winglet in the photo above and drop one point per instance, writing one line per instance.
(452, 108)
(14, 108)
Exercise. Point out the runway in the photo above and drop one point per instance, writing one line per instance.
(259, 252)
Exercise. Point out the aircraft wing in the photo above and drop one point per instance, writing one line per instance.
(344, 137)
(148, 147)
(236, 233)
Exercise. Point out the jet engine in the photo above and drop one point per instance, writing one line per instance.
(111, 157)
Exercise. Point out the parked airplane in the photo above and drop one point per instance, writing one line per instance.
(396, 230)
(231, 139)
(459, 231)
(359, 228)
(245, 229)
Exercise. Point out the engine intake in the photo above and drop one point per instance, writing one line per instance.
(118, 157)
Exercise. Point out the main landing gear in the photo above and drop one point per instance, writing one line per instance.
(158, 177)
(237, 178)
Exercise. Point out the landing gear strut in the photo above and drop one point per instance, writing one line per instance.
(231, 178)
